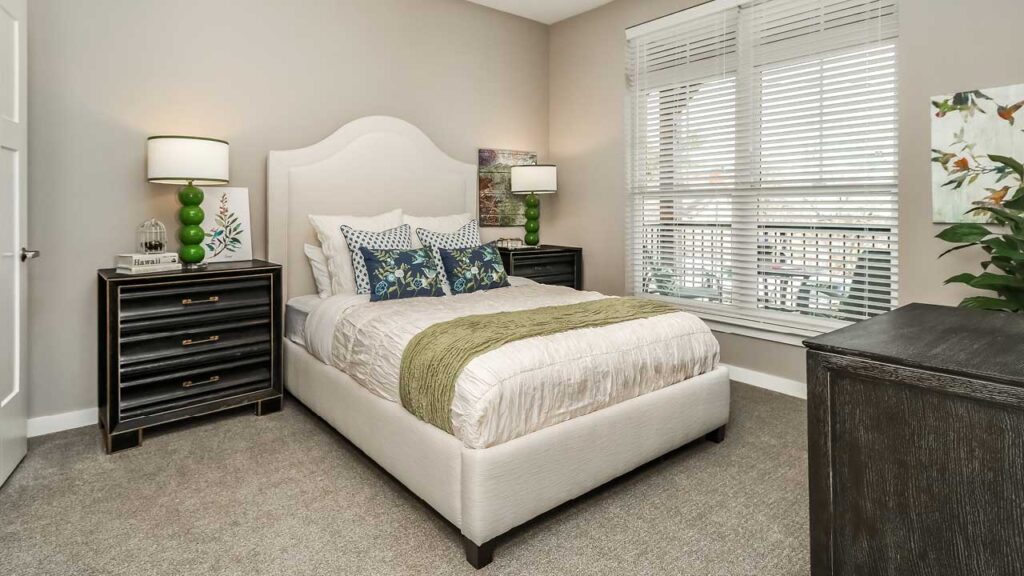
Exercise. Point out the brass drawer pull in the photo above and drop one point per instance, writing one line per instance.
(189, 383)
(191, 342)
(210, 300)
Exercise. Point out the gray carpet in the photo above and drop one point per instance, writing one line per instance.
(285, 494)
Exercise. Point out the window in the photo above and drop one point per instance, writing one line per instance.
(763, 161)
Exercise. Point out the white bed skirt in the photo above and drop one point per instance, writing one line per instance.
(487, 492)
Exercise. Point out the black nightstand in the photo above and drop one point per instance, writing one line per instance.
(558, 265)
(173, 345)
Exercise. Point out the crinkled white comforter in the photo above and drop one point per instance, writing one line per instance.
(525, 385)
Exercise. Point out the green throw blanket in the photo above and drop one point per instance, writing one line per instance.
(435, 357)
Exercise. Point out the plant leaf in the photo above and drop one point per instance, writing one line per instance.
(964, 232)
(1017, 203)
(990, 281)
(1009, 163)
(965, 278)
(988, 303)
(960, 247)
(1004, 214)
(1001, 247)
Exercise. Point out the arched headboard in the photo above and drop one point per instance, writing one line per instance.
(371, 165)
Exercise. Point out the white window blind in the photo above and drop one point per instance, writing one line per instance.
(763, 161)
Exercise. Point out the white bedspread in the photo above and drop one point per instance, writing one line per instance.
(525, 385)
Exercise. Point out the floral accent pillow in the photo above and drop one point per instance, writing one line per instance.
(395, 274)
(472, 269)
(396, 238)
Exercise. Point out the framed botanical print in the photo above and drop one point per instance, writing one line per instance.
(227, 224)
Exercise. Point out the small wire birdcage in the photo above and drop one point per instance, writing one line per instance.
(152, 237)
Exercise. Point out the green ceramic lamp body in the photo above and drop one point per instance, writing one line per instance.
(532, 225)
(191, 161)
(191, 217)
(533, 180)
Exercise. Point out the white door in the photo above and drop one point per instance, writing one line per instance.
(13, 224)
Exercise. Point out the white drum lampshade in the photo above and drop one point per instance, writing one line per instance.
(540, 179)
(190, 162)
(533, 180)
(187, 160)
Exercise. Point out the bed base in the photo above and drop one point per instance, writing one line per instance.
(717, 435)
(488, 492)
(480, 555)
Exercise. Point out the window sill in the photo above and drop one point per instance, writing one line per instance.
(795, 340)
(790, 333)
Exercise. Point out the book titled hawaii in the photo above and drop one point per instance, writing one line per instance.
(148, 269)
(136, 260)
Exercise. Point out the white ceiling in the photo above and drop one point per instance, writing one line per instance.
(544, 11)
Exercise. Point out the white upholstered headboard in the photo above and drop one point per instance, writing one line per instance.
(371, 165)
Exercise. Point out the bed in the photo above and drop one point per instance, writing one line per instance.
(503, 463)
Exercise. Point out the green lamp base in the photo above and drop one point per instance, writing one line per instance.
(532, 225)
(191, 233)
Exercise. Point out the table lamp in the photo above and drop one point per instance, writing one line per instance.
(188, 161)
(533, 180)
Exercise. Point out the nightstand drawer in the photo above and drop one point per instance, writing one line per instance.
(145, 346)
(131, 372)
(193, 298)
(547, 265)
(567, 279)
(191, 389)
(144, 324)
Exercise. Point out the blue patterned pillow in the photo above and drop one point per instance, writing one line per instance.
(395, 274)
(396, 238)
(468, 236)
(472, 269)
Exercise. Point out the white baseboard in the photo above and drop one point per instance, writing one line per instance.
(767, 381)
(41, 425)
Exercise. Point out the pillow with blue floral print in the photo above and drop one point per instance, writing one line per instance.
(472, 269)
(395, 274)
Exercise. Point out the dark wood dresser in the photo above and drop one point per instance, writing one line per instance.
(178, 344)
(558, 265)
(916, 444)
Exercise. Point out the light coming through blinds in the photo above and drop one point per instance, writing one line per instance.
(763, 161)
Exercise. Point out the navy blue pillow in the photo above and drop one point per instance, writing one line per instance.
(398, 274)
(472, 269)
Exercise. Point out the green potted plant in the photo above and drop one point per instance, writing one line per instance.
(1003, 270)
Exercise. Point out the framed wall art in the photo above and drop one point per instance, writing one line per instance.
(977, 150)
(227, 224)
(498, 206)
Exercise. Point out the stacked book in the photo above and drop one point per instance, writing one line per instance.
(147, 263)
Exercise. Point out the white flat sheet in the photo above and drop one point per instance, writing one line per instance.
(525, 385)
(295, 313)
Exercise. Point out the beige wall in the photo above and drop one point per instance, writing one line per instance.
(945, 45)
(263, 74)
(270, 74)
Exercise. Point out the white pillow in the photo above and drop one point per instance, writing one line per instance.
(318, 262)
(435, 224)
(332, 241)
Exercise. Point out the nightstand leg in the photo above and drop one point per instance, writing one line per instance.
(268, 406)
(123, 441)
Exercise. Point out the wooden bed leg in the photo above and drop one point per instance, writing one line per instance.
(478, 556)
(717, 435)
